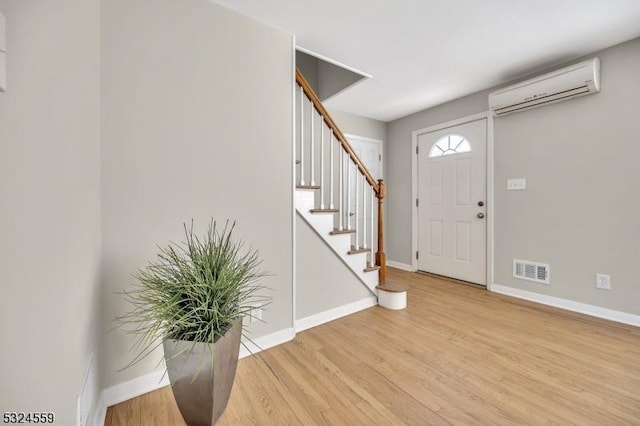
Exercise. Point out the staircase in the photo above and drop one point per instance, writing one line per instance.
(337, 196)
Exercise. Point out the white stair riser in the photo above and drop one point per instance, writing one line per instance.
(392, 300)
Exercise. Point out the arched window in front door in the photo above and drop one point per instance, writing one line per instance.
(448, 145)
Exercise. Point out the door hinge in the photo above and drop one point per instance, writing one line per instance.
(379, 157)
(416, 149)
(417, 255)
(417, 203)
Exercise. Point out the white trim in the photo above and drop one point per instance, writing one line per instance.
(293, 180)
(265, 342)
(362, 138)
(101, 414)
(399, 265)
(335, 313)
(333, 62)
(490, 181)
(490, 199)
(135, 387)
(569, 305)
(414, 196)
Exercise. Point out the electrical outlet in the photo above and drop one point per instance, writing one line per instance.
(255, 314)
(603, 281)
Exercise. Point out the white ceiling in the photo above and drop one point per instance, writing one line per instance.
(422, 53)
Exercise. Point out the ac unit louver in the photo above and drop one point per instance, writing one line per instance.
(576, 80)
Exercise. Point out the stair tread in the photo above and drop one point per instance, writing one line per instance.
(324, 210)
(307, 186)
(360, 250)
(393, 287)
(344, 231)
(371, 268)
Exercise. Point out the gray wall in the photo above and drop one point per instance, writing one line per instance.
(581, 207)
(50, 204)
(196, 124)
(308, 66)
(358, 125)
(580, 211)
(333, 79)
(322, 281)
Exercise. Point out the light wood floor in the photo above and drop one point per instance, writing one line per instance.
(456, 355)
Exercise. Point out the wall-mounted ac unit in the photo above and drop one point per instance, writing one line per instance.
(576, 80)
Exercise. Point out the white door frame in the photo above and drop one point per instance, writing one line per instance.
(414, 186)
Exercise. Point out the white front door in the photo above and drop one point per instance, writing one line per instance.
(452, 186)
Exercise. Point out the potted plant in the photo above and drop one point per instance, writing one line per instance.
(192, 300)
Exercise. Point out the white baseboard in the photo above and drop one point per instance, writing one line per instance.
(569, 305)
(127, 390)
(136, 387)
(335, 313)
(150, 382)
(398, 265)
(265, 342)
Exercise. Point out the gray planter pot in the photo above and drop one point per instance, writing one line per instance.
(203, 400)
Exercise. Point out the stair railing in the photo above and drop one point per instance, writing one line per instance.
(351, 187)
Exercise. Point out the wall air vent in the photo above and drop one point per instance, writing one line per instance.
(531, 271)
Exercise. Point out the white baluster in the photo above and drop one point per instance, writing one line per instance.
(356, 178)
(312, 150)
(372, 242)
(340, 196)
(347, 189)
(331, 205)
(301, 136)
(364, 214)
(321, 163)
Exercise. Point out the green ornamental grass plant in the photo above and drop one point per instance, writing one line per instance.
(194, 291)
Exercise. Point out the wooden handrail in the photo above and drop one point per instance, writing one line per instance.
(310, 94)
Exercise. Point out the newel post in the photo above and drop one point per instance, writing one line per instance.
(381, 256)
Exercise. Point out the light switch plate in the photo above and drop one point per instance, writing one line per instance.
(516, 184)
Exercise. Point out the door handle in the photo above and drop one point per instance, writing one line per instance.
(480, 215)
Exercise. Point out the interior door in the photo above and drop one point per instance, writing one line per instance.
(370, 153)
(452, 184)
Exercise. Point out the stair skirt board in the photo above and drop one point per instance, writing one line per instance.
(340, 243)
(335, 313)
